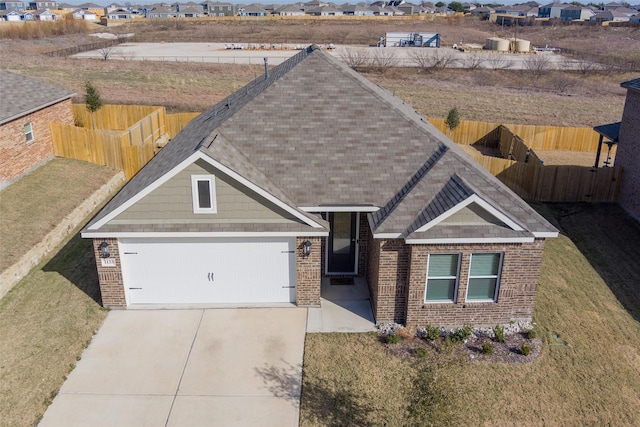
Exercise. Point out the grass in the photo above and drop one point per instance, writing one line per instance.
(35, 204)
(45, 322)
(586, 313)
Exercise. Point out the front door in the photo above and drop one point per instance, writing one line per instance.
(341, 247)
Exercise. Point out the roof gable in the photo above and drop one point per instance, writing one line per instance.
(312, 132)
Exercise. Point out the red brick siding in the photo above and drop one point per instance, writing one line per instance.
(628, 154)
(388, 274)
(517, 289)
(17, 157)
(111, 283)
(308, 272)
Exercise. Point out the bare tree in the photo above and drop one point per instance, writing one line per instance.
(561, 82)
(537, 65)
(497, 61)
(355, 58)
(473, 61)
(106, 52)
(383, 59)
(432, 59)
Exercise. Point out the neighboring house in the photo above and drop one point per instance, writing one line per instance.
(219, 9)
(610, 16)
(551, 10)
(290, 10)
(12, 5)
(252, 10)
(28, 106)
(161, 12)
(45, 15)
(190, 12)
(84, 14)
(628, 151)
(11, 15)
(613, 6)
(310, 172)
(324, 11)
(483, 11)
(119, 14)
(382, 11)
(357, 10)
(40, 5)
(576, 13)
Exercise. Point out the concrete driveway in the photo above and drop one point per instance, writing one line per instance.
(207, 367)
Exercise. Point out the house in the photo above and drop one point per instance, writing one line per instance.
(28, 106)
(551, 10)
(40, 5)
(628, 154)
(46, 15)
(610, 16)
(252, 10)
(576, 13)
(357, 10)
(324, 11)
(160, 12)
(312, 172)
(84, 14)
(190, 12)
(119, 14)
(10, 15)
(290, 10)
(12, 5)
(219, 9)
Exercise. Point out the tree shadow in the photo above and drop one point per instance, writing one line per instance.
(76, 263)
(283, 382)
(609, 239)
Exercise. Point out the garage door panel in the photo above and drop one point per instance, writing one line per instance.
(221, 271)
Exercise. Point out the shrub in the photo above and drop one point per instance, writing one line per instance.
(499, 333)
(531, 334)
(432, 332)
(525, 349)
(393, 338)
(461, 334)
(487, 348)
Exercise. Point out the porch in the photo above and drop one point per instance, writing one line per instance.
(345, 306)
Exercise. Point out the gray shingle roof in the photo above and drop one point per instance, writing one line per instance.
(23, 95)
(632, 84)
(315, 133)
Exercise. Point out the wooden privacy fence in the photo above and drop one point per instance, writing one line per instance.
(536, 137)
(537, 182)
(125, 137)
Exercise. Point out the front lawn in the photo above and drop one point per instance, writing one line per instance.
(589, 370)
(35, 204)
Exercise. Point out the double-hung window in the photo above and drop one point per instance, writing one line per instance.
(484, 277)
(28, 132)
(203, 192)
(442, 277)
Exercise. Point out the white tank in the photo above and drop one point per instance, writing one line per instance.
(522, 45)
(502, 45)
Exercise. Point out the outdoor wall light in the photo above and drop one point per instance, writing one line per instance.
(306, 248)
(104, 250)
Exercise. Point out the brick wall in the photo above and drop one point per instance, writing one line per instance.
(17, 156)
(111, 283)
(308, 272)
(387, 276)
(517, 287)
(363, 241)
(628, 154)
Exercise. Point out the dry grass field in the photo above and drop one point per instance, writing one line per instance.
(556, 98)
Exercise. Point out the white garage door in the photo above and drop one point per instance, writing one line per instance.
(190, 271)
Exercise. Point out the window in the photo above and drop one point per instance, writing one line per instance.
(203, 193)
(484, 277)
(28, 132)
(442, 277)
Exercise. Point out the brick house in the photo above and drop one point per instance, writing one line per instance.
(628, 154)
(312, 172)
(28, 106)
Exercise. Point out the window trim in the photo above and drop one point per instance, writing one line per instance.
(29, 135)
(497, 277)
(457, 277)
(195, 195)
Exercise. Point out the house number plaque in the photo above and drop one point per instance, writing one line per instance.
(108, 262)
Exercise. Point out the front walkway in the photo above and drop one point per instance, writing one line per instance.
(343, 308)
(220, 367)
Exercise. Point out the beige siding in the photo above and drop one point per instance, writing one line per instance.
(172, 202)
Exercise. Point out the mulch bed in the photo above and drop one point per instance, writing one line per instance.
(509, 352)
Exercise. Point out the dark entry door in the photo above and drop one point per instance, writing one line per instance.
(341, 257)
